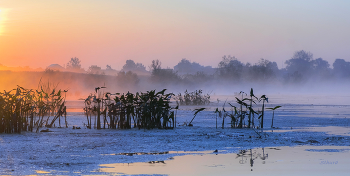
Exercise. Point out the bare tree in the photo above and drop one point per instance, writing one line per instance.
(155, 66)
(74, 64)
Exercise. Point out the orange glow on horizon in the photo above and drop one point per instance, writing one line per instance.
(41, 33)
(18, 69)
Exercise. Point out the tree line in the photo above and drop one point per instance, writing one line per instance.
(301, 67)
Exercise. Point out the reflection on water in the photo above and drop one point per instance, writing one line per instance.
(42, 172)
(305, 160)
(253, 155)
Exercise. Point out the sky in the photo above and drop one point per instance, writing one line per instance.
(38, 33)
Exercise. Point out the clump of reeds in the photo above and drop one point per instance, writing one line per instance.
(238, 114)
(23, 110)
(142, 110)
(193, 98)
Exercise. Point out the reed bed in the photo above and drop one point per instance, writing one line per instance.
(27, 109)
(193, 98)
(123, 111)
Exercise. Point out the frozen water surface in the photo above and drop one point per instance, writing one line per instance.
(311, 138)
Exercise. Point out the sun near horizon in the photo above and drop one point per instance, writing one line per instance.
(1, 21)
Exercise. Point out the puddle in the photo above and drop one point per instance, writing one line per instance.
(304, 160)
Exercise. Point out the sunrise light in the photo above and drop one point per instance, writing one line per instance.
(185, 87)
(1, 18)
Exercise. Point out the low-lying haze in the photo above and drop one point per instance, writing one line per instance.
(303, 74)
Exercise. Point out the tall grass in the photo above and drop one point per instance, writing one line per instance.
(193, 98)
(24, 110)
(145, 110)
(263, 98)
(273, 113)
(238, 114)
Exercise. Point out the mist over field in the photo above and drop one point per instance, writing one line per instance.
(302, 75)
(163, 87)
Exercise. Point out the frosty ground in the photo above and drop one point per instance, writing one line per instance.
(305, 120)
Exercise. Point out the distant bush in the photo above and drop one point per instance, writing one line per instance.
(193, 98)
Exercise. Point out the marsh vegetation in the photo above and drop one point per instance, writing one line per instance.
(27, 110)
(243, 114)
(145, 110)
(193, 98)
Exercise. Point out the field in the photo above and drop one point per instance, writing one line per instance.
(311, 131)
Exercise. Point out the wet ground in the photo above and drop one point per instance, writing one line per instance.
(310, 134)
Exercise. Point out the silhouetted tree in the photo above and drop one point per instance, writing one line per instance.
(300, 66)
(230, 68)
(262, 71)
(94, 69)
(160, 75)
(186, 67)
(74, 64)
(130, 65)
(321, 68)
(110, 71)
(155, 66)
(341, 68)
